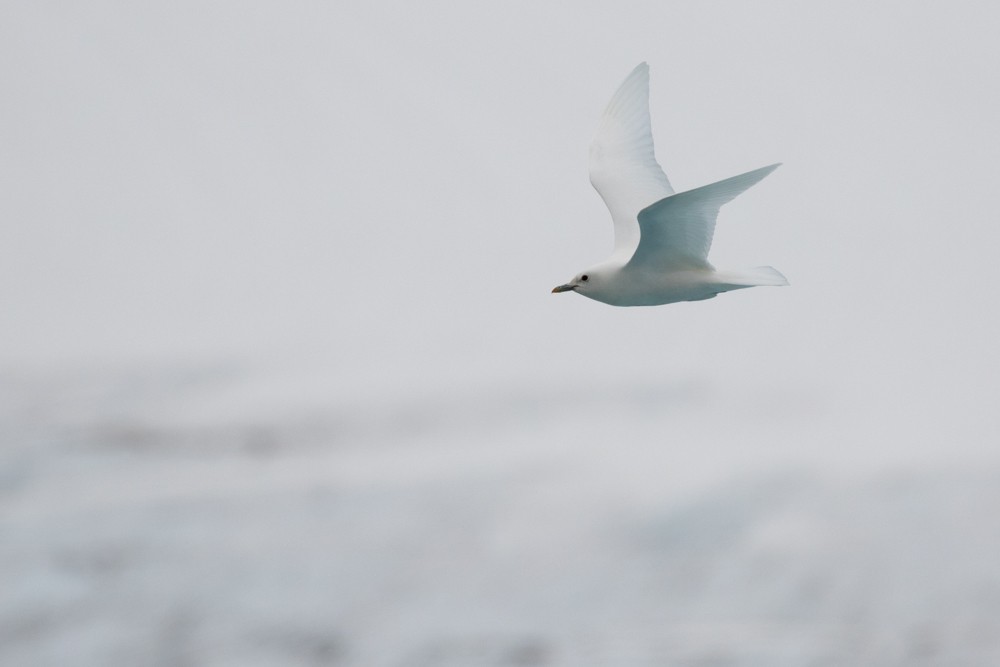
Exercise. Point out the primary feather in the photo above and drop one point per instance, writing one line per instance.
(623, 168)
(677, 231)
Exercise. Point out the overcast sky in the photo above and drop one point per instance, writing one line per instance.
(281, 373)
(390, 192)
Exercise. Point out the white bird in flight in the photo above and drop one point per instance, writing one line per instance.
(661, 238)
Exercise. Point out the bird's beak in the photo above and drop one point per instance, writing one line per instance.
(563, 288)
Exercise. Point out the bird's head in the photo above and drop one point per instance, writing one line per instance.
(583, 282)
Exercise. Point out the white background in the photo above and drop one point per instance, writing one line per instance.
(282, 382)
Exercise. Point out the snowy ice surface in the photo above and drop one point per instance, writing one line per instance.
(500, 527)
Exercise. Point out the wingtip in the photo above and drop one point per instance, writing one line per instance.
(632, 94)
(766, 171)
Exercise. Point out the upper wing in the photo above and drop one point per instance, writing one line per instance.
(623, 169)
(677, 230)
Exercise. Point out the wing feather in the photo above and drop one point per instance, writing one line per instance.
(623, 168)
(677, 231)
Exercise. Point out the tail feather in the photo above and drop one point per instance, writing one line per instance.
(755, 277)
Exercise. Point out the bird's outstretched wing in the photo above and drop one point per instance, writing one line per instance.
(677, 230)
(623, 168)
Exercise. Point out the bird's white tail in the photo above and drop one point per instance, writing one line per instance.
(757, 276)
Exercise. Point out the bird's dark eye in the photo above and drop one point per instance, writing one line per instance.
(585, 277)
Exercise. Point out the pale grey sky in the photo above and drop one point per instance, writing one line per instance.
(380, 186)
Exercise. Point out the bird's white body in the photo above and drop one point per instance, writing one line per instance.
(619, 285)
(662, 239)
